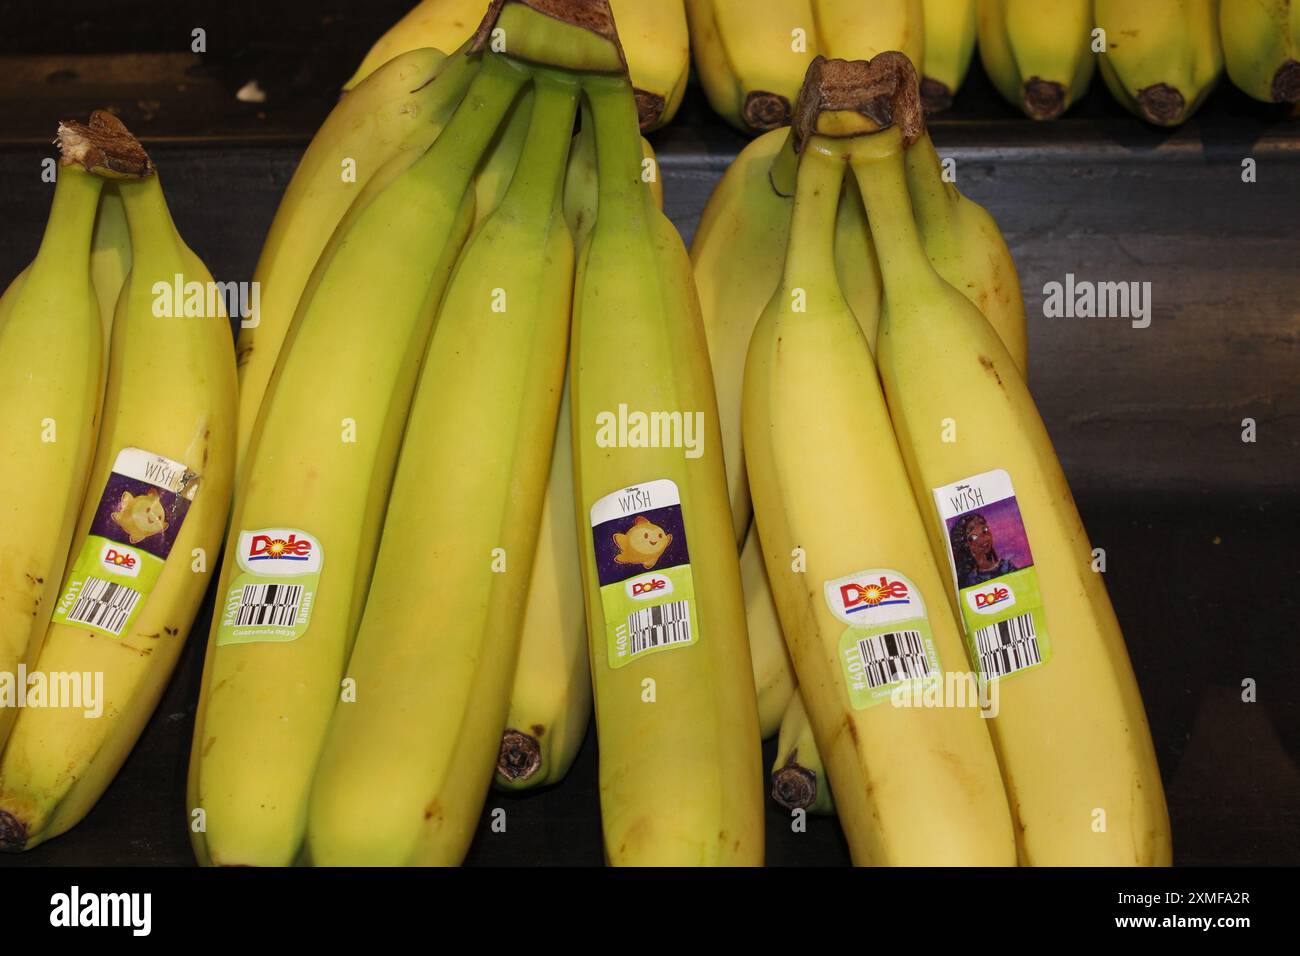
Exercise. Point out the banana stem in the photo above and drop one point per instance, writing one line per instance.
(618, 148)
(147, 216)
(879, 165)
(536, 187)
(932, 198)
(810, 256)
(71, 226)
(471, 128)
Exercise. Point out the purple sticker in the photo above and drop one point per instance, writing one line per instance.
(139, 514)
(653, 540)
(988, 542)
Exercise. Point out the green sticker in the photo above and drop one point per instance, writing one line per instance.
(993, 570)
(888, 643)
(271, 599)
(647, 591)
(140, 513)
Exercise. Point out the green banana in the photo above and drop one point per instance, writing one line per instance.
(309, 509)
(397, 112)
(437, 646)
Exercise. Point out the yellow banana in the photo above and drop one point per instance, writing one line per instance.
(50, 391)
(652, 32)
(774, 684)
(1162, 57)
(799, 780)
(856, 585)
(966, 247)
(950, 29)
(149, 529)
(437, 646)
(1037, 618)
(1261, 47)
(1038, 53)
(853, 29)
(550, 704)
(308, 512)
(766, 46)
(680, 760)
(400, 110)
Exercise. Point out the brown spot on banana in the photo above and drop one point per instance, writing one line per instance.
(990, 367)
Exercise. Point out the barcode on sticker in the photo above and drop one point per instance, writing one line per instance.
(896, 656)
(269, 605)
(104, 604)
(660, 626)
(1007, 646)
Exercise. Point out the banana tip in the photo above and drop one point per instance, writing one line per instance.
(13, 832)
(935, 96)
(794, 787)
(1044, 99)
(1286, 82)
(520, 756)
(765, 111)
(1161, 104)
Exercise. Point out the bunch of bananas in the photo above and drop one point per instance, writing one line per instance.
(399, 613)
(117, 461)
(823, 242)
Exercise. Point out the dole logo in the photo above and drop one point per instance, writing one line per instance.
(861, 597)
(264, 547)
(991, 599)
(120, 560)
(648, 586)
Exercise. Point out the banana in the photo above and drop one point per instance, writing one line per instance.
(680, 758)
(1038, 621)
(308, 512)
(799, 780)
(399, 111)
(436, 651)
(852, 29)
(966, 247)
(950, 28)
(653, 36)
(1038, 53)
(110, 257)
(766, 46)
(1162, 57)
(774, 684)
(51, 384)
(550, 703)
(856, 586)
(1261, 47)
(737, 254)
(150, 525)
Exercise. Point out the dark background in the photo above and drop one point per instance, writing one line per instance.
(1199, 528)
